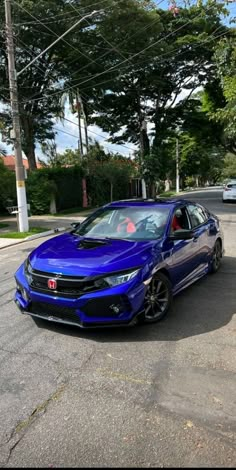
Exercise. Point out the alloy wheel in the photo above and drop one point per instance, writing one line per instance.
(157, 299)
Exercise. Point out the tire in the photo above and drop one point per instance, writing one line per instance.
(155, 305)
(224, 200)
(216, 258)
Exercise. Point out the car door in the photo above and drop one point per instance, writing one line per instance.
(200, 226)
(181, 255)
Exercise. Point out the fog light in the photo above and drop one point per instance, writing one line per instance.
(115, 309)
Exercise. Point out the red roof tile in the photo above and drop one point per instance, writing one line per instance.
(9, 162)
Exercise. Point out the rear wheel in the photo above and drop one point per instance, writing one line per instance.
(216, 258)
(158, 298)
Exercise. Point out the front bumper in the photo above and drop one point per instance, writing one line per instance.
(118, 306)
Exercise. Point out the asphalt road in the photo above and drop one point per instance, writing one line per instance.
(153, 396)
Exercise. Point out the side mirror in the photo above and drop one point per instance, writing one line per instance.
(182, 235)
(75, 225)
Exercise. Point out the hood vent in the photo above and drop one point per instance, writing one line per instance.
(87, 244)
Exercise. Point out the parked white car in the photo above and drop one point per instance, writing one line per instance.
(229, 193)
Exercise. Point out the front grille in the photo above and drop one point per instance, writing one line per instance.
(66, 286)
(106, 306)
(49, 310)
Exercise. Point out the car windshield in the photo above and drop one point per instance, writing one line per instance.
(131, 223)
(233, 186)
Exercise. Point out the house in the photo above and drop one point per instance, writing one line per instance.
(9, 162)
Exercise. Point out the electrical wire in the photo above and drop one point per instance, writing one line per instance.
(49, 29)
(77, 85)
(45, 20)
(77, 137)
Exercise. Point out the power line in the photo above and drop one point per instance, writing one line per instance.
(95, 133)
(49, 29)
(106, 53)
(108, 42)
(76, 137)
(165, 54)
(56, 16)
(77, 85)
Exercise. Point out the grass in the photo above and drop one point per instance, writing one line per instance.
(4, 226)
(167, 194)
(33, 231)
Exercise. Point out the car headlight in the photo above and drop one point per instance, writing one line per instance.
(28, 271)
(120, 278)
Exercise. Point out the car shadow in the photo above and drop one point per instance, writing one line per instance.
(207, 305)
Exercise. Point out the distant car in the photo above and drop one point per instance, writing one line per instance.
(123, 264)
(229, 192)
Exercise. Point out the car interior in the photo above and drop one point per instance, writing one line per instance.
(180, 220)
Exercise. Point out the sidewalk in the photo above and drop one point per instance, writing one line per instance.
(52, 225)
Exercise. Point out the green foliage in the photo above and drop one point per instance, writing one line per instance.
(229, 166)
(63, 183)
(7, 187)
(225, 58)
(54, 159)
(108, 176)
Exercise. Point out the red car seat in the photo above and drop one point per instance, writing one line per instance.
(175, 224)
(126, 226)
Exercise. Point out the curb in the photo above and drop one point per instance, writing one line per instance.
(45, 234)
(34, 237)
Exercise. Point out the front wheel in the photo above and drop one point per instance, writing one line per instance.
(216, 258)
(158, 298)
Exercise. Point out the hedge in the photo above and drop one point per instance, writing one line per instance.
(66, 185)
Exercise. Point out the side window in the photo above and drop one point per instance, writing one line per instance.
(180, 220)
(197, 215)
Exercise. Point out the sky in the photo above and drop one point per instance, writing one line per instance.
(67, 132)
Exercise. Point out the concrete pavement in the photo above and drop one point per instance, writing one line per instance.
(50, 223)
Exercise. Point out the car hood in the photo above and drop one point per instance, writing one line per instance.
(71, 255)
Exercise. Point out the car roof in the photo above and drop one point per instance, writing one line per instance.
(159, 202)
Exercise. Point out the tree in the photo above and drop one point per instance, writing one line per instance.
(225, 58)
(7, 185)
(37, 86)
(229, 166)
(148, 86)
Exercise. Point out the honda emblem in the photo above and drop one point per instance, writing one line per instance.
(52, 284)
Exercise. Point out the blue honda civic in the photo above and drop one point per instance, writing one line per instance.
(122, 265)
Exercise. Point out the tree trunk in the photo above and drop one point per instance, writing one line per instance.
(28, 144)
(30, 154)
(53, 207)
(111, 192)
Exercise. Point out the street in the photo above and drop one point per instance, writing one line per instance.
(158, 395)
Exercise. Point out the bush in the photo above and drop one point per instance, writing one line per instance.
(7, 187)
(64, 183)
(190, 182)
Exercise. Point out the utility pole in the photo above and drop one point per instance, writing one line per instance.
(80, 141)
(79, 105)
(143, 127)
(177, 165)
(20, 172)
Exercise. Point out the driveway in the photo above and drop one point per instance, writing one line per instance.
(153, 396)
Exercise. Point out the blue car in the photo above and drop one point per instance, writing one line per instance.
(122, 265)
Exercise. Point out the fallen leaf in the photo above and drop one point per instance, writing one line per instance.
(189, 424)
